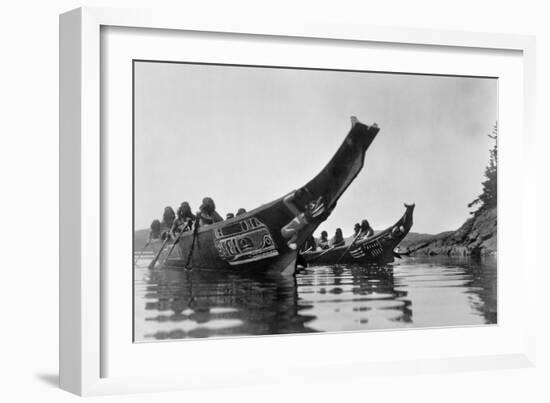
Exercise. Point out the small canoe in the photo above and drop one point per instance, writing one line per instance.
(254, 242)
(377, 249)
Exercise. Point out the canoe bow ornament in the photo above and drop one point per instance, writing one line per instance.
(376, 247)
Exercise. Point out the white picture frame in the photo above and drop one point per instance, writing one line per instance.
(82, 305)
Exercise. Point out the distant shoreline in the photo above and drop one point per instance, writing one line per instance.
(476, 237)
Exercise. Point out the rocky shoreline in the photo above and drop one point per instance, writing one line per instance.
(476, 237)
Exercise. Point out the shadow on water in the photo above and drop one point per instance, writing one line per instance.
(206, 304)
(179, 304)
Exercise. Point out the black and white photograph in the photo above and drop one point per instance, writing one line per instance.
(290, 201)
(271, 200)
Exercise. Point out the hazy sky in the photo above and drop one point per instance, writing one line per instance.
(245, 136)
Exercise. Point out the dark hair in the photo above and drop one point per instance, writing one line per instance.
(324, 234)
(208, 206)
(168, 215)
(229, 215)
(241, 211)
(338, 236)
(155, 226)
(365, 225)
(184, 210)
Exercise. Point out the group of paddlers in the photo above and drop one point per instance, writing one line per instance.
(360, 231)
(174, 223)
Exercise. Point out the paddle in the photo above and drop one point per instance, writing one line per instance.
(195, 230)
(348, 248)
(177, 240)
(141, 253)
(154, 261)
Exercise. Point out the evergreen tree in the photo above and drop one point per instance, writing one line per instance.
(488, 198)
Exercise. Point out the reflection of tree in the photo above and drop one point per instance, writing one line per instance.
(483, 285)
(247, 305)
(477, 278)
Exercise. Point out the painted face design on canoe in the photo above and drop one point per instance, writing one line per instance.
(245, 241)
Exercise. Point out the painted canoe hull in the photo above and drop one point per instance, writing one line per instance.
(377, 249)
(253, 241)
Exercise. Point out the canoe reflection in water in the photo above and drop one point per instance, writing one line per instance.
(416, 292)
(197, 304)
(202, 304)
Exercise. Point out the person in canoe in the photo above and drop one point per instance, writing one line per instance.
(229, 216)
(154, 238)
(185, 211)
(356, 229)
(184, 221)
(338, 239)
(311, 211)
(168, 218)
(154, 231)
(366, 229)
(241, 211)
(207, 212)
(323, 242)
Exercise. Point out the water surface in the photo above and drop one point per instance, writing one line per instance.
(413, 292)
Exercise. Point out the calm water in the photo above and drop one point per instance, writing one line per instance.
(179, 304)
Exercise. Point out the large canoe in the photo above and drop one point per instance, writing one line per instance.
(253, 241)
(377, 249)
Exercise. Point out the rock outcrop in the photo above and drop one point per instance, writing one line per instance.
(476, 237)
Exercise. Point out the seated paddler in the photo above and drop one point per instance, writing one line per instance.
(183, 222)
(323, 242)
(168, 218)
(338, 239)
(356, 229)
(207, 212)
(366, 229)
(154, 232)
(305, 208)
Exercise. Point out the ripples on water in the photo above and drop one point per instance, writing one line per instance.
(178, 304)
